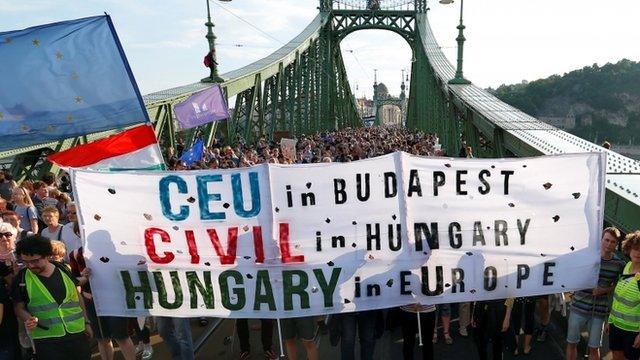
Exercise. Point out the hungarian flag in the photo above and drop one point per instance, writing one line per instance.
(133, 149)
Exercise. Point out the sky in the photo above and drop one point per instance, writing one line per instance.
(507, 40)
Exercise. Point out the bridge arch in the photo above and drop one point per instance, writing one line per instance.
(402, 23)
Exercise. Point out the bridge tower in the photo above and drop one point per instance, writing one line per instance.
(382, 98)
(427, 107)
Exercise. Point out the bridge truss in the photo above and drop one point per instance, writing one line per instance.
(303, 87)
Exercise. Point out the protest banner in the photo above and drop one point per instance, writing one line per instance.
(274, 241)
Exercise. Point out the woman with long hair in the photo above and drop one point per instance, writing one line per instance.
(25, 209)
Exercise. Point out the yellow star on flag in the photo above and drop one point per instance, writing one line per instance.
(59, 55)
(70, 118)
(24, 128)
(75, 76)
(8, 40)
(1, 115)
(50, 128)
(78, 99)
(35, 42)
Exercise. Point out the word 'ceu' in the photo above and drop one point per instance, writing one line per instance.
(173, 184)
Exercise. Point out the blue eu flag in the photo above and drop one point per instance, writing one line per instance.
(63, 80)
(194, 153)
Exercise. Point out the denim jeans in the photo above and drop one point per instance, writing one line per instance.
(594, 324)
(365, 322)
(176, 332)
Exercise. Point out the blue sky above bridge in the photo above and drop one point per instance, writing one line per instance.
(507, 40)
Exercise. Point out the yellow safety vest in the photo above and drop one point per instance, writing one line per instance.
(59, 319)
(625, 310)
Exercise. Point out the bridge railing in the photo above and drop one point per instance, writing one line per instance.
(376, 5)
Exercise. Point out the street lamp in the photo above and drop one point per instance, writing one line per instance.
(211, 38)
(459, 78)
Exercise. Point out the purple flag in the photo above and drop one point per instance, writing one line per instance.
(202, 107)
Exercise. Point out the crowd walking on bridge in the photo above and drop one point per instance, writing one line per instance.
(47, 311)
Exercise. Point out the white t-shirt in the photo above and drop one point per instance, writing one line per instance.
(52, 235)
(69, 238)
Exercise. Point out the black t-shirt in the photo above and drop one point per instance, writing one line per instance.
(5, 269)
(9, 325)
(53, 283)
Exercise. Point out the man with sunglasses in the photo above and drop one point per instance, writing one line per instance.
(7, 245)
(46, 298)
(13, 218)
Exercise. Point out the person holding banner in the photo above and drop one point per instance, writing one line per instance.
(591, 307)
(491, 322)
(266, 331)
(420, 319)
(523, 319)
(624, 321)
(176, 333)
(105, 328)
(46, 298)
(443, 311)
(71, 231)
(366, 323)
(304, 329)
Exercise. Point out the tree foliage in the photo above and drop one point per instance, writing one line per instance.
(598, 96)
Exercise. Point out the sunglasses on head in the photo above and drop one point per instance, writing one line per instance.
(7, 234)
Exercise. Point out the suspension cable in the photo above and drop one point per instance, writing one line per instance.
(246, 22)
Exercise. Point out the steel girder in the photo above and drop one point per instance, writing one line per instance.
(402, 22)
(429, 107)
(312, 93)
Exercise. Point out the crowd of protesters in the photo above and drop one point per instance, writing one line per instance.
(47, 311)
(341, 146)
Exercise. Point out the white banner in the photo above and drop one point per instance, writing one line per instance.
(277, 241)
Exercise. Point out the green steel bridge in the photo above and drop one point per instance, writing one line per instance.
(303, 88)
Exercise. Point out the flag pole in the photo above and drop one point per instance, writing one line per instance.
(419, 327)
(280, 339)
